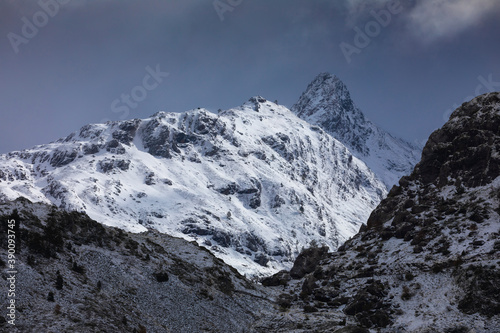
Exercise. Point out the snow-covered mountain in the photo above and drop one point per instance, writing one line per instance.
(428, 259)
(254, 184)
(327, 103)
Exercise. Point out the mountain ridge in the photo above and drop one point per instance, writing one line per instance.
(254, 183)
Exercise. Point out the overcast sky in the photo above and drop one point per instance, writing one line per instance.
(407, 63)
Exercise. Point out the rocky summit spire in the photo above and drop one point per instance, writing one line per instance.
(326, 102)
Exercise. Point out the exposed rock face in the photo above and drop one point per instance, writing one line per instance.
(253, 184)
(77, 275)
(429, 258)
(307, 261)
(466, 148)
(327, 103)
(459, 158)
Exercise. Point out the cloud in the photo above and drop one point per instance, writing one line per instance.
(432, 20)
(429, 20)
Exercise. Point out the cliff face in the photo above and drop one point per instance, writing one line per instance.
(429, 257)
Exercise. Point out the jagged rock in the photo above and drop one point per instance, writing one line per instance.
(307, 261)
(262, 259)
(284, 300)
(278, 201)
(107, 165)
(90, 149)
(229, 189)
(481, 285)
(61, 157)
(150, 179)
(279, 279)
(403, 229)
(464, 148)
(308, 286)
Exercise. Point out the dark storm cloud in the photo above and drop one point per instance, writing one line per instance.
(90, 54)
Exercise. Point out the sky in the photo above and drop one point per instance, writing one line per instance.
(407, 63)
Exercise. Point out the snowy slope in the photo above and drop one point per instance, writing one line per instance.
(253, 184)
(327, 103)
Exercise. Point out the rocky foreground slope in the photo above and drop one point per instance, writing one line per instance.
(77, 275)
(428, 259)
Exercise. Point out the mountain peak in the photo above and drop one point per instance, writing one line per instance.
(476, 123)
(259, 104)
(326, 77)
(324, 80)
(257, 99)
(326, 102)
(159, 114)
(326, 89)
(458, 159)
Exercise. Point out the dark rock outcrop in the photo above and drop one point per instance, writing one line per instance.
(307, 261)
